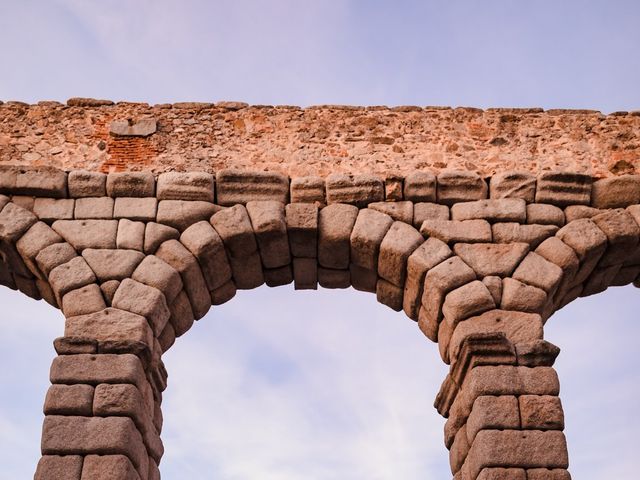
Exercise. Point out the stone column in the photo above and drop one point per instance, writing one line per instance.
(500, 398)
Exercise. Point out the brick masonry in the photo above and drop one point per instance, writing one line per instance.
(479, 256)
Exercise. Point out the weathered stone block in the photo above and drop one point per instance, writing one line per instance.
(541, 412)
(51, 209)
(224, 293)
(234, 227)
(275, 277)
(98, 467)
(466, 301)
(112, 264)
(270, 228)
(458, 450)
(544, 214)
(537, 271)
(240, 187)
(452, 231)
(576, 212)
(155, 234)
(335, 224)
(429, 211)
(305, 273)
(494, 284)
(368, 231)
(491, 259)
(513, 184)
(95, 369)
(94, 208)
(358, 190)
(514, 232)
(206, 245)
(14, 222)
(182, 317)
(69, 400)
(420, 187)
(363, 279)
(334, 278)
(307, 190)
(82, 301)
(400, 241)
(135, 208)
(88, 233)
(54, 255)
(302, 228)
(425, 257)
(109, 325)
(521, 297)
(502, 210)
(499, 473)
(186, 186)
(157, 273)
(36, 181)
(83, 183)
(389, 294)
(490, 412)
(71, 275)
(623, 235)
(401, 211)
(247, 271)
(131, 184)
(616, 192)
(60, 467)
(538, 353)
(130, 235)
(181, 214)
(548, 474)
(147, 301)
(393, 188)
(460, 186)
(37, 238)
(564, 188)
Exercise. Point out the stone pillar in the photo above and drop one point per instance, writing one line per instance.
(500, 398)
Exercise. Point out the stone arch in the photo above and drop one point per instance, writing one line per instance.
(480, 282)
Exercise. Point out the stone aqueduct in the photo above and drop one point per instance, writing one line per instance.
(134, 220)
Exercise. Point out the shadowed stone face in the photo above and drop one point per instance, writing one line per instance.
(480, 259)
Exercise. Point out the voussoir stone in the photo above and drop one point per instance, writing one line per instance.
(182, 260)
(584, 237)
(429, 211)
(110, 324)
(513, 185)
(181, 214)
(334, 278)
(512, 232)
(401, 211)
(155, 234)
(82, 301)
(83, 183)
(302, 229)
(521, 297)
(467, 301)
(537, 271)
(130, 235)
(234, 227)
(397, 245)
(14, 222)
(576, 212)
(623, 235)
(358, 190)
(144, 300)
(335, 224)
(112, 264)
(368, 231)
(270, 228)
(616, 192)
(420, 187)
(564, 188)
(486, 259)
(88, 233)
(53, 255)
(494, 210)
(181, 314)
(453, 231)
(131, 184)
(240, 187)
(186, 186)
(460, 186)
(425, 257)
(206, 245)
(38, 237)
(545, 214)
(305, 273)
(71, 275)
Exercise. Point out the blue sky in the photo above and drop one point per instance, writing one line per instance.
(282, 385)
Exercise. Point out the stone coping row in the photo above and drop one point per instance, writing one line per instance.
(229, 187)
(236, 105)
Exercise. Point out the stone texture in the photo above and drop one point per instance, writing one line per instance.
(429, 211)
(401, 211)
(545, 214)
(453, 231)
(460, 186)
(275, 277)
(38, 237)
(537, 271)
(88, 233)
(110, 325)
(588, 241)
(494, 210)
(235, 186)
(623, 235)
(563, 189)
(234, 227)
(59, 467)
(71, 275)
(514, 232)
(576, 212)
(94, 208)
(95, 369)
(335, 224)
(98, 467)
(363, 279)
(143, 300)
(548, 474)
(247, 271)
(494, 284)
(157, 273)
(500, 473)
(616, 192)
(358, 190)
(490, 412)
(112, 264)
(397, 245)
(420, 186)
(54, 255)
(83, 300)
(389, 294)
(393, 186)
(186, 186)
(51, 209)
(270, 228)
(137, 209)
(541, 412)
(459, 450)
(181, 214)
(466, 301)
(333, 278)
(224, 293)
(370, 228)
(513, 184)
(155, 234)
(14, 222)
(206, 245)
(492, 259)
(69, 400)
(130, 235)
(521, 297)
(181, 313)
(302, 229)
(178, 257)
(84, 183)
(431, 253)
(131, 184)
(305, 273)
(38, 181)
(308, 190)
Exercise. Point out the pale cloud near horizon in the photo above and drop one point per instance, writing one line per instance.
(281, 385)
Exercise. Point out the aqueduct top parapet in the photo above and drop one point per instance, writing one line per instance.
(102, 136)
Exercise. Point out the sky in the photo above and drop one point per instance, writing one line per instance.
(282, 385)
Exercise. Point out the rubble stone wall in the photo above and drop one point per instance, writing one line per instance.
(480, 262)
